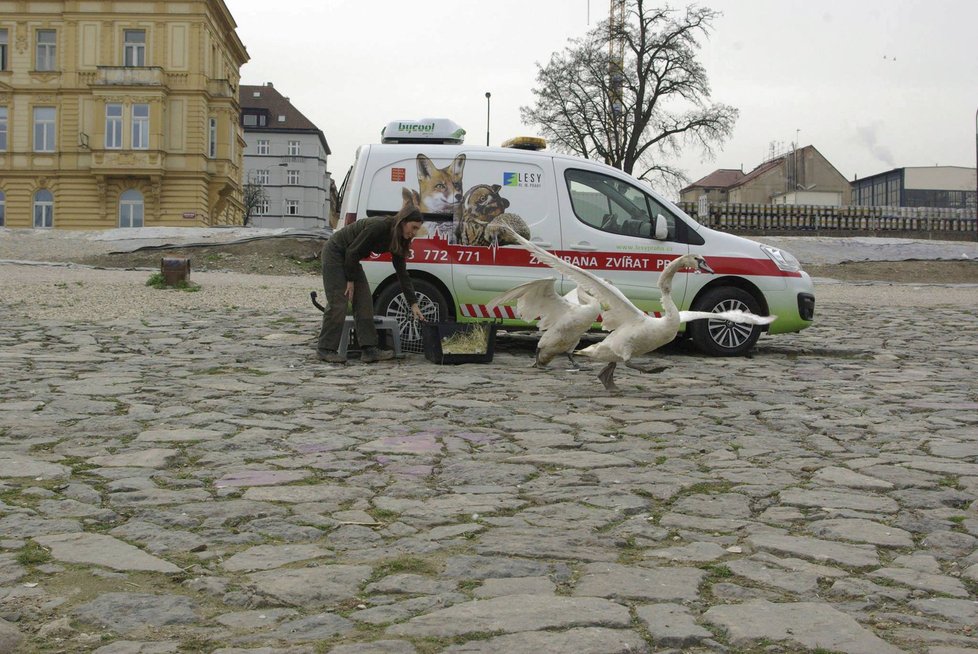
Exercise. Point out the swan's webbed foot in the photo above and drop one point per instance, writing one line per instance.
(573, 362)
(648, 370)
(539, 365)
(607, 376)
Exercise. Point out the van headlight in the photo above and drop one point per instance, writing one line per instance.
(784, 260)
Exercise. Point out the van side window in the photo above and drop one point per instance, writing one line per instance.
(614, 206)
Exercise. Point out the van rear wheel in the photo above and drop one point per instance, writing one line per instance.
(721, 338)
(391, 303)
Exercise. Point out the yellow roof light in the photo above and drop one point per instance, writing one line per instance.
(526, 143)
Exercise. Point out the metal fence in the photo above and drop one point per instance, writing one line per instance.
(909, 222)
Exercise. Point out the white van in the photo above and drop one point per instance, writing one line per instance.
(588, 213)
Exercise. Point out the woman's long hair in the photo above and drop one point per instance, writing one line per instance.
(400, 246)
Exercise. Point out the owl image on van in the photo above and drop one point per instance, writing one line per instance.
(480, 217)
(439, 192)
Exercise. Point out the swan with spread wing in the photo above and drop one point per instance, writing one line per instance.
(633, 333)
(563, 319)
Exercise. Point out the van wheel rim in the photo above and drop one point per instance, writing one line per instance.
(400, 310)
(724, 333)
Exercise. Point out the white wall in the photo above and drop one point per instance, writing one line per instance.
(941, 178)
(816, 198)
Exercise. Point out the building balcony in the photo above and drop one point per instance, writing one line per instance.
(129, 76)
(135, 163)
(220, 88)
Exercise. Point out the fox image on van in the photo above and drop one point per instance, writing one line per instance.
(480, 217)
(440, 189)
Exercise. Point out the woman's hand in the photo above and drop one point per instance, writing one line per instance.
(416, 311)
(349, 292)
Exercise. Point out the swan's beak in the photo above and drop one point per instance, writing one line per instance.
(702, 267)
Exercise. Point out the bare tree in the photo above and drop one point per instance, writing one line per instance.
(632, 93)
(254, 195)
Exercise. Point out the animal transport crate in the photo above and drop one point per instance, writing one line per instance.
(454, 342)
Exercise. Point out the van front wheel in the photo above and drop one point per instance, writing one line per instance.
(721, 338)
(391, 303)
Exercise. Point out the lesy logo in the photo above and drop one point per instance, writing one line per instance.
(523, 180)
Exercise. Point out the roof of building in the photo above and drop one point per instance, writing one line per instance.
(728, 178)
(721, 178)
(268, 98)
(760, 170)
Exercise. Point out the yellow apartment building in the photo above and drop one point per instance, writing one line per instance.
(119, 114)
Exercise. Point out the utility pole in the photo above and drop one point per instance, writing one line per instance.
(488, 94)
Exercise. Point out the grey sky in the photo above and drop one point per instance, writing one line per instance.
(873, 84)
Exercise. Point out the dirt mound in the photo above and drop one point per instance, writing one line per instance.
(271, 256)
(921, 272)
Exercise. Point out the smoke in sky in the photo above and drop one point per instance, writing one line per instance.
(868, 135)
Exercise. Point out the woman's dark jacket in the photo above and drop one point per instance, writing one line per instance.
(355, 242)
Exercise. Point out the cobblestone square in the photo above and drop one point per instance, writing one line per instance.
(192, 479)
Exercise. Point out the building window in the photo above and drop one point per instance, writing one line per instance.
(253, 118)
(212, 139)
(293, 177)
(262, 176)
(261, 209)
(131, 209)
(43, 209)
(292, 207)
(3, 129)
(293, 148)
(44, 129)
(113, 127)
(47, 50)
(3, 207)
(232, 139)
(3, 49)
(262, 146)
(134, 50)
(140, 126)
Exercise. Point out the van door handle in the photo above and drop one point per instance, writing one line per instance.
(583, 247)
(543, 244)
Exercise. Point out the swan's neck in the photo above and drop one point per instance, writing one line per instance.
(669, 307)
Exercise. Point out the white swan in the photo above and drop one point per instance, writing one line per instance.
(633, 333)
(562, 319)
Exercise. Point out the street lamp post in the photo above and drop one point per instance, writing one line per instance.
(976, 174)
(487, 116)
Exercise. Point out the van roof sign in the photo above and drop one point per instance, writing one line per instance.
(426, 130)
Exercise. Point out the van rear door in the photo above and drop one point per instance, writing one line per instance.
(607, 225)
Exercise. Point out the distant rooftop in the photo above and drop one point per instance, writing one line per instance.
(282, 116)
(721, 178)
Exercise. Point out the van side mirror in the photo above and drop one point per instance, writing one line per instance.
(661, 228)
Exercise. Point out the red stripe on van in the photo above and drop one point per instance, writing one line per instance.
(746, 266)
(430, 251)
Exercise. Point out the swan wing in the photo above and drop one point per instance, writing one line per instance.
(572, 297)
(731, 316)
(535, 299)
(618, 308)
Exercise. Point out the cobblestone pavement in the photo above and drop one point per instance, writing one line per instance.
(198, 482)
